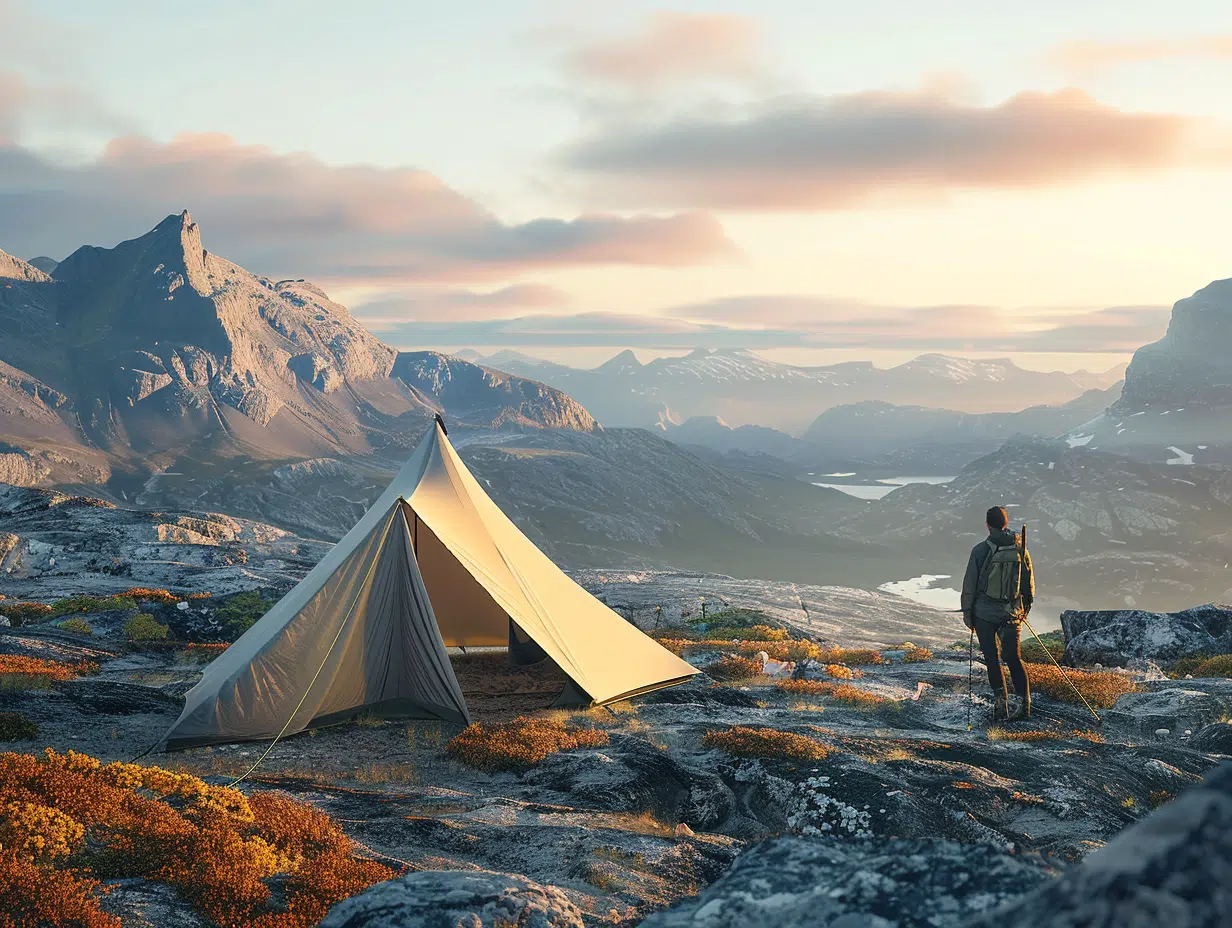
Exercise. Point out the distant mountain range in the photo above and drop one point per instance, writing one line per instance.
(879, 439)
(126, 358)
(743, 388)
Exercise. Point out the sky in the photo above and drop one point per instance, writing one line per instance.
(815, 180)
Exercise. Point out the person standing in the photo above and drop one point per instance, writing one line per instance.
(997, 594)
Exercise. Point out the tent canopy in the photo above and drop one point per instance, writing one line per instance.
(434, 563)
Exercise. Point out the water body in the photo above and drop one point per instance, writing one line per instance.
(924, 590)
(879, 488)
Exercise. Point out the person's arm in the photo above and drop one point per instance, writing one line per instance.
(1027, 589)
(971, 582)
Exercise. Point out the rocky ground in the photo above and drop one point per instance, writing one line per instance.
(608, 835)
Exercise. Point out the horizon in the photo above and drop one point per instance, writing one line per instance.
(1047, 203)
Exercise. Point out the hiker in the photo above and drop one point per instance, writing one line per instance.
(997, 593)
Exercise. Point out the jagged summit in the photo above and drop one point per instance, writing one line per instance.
(159, 344)
(12, 268)
(625, 361)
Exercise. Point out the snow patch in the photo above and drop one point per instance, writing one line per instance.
(1184, 458)
(1078, 441)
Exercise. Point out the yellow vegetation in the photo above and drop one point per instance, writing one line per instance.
(69, 821)
(1005, 734)
(849, 656)
(519, 744)
(843, 692)
(18, 671)
(1101, 689)
(733, 667)
(843, 672)
(766, 743)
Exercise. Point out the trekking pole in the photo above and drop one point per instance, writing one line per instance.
(1062, 669)
(970, 671)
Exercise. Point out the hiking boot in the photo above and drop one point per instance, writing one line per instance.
(1000, 708)
(1023, 712)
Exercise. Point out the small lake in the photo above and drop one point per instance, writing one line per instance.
(925, 590)
(878, 488)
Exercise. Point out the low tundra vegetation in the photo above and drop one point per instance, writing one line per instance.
(19, 672)
(16, 726)
(1101, 689)
(766, 743)
(68, 822)
(732, 667)
(144, 627)
(1033, 736)
(842, 692)
(520, 744)
(1218, 665)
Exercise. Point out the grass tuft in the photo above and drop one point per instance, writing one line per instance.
(732, 668)
(767, 743)
(519, 744)
(1033, 736)
(1101, 689)
(843, 692)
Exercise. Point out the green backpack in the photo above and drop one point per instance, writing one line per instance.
(1003, 574)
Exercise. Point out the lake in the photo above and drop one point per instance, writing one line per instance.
(878, 488)
(924, 590)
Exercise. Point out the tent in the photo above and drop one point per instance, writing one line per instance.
(434, 563)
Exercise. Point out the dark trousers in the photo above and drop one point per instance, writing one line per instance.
(1001, 641)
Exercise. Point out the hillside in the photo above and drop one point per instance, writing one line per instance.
(126, 357)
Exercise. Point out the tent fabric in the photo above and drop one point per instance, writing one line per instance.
(434, 562)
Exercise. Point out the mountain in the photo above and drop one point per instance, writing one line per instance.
(1106, 531)
(1176, 404)
(130, 357)
(875, 439)
(744, 388)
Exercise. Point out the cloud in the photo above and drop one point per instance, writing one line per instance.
(457, 305)
(1086, 58)
(822, 153)
(64, 108)
(670, 48)
(293, 215)
(809, 322)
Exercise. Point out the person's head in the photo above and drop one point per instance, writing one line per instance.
(997, 519)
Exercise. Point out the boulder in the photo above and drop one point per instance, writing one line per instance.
(1215, 738)
(632, 775)
(1173, 708)
(1172, 868)
(798, 882)
(1113, 637)
(456, 899)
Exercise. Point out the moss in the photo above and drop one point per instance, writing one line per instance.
(89, 604)
(78, 625)
(240, 612)
(16, 726)
(1033, 649)
(24, 613)
(144, 627)
(1218, 665)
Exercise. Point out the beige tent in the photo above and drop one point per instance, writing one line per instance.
(433, 564)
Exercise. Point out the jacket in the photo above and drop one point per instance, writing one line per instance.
(975, 604)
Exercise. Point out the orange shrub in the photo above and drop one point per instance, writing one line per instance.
(842, 672)
(917, 655)
(520, 744)
(843, 692)
(1101, 689)
(1031, 737)
(69, 820)
(17, 669)
(849, 656)
(766, 743)
(140, 593)
(732, 667)
(790, 650)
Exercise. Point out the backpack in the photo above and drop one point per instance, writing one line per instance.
(1002, 574)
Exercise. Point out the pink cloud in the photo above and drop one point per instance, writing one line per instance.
(1088, 57)
(820, 153)
(671, 48)
(293, 215)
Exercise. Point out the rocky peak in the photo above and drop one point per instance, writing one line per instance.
(16, 269)
(1192, 363)
(625, 361)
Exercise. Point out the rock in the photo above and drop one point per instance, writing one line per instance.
(1162, 732)
(1115, 636)
(632, 775)
(1215, 738)
(108, 697)
(797, 882)
(1167, 710)
(145, 904)
(1172, 868)
(1148, 669)
(456, 899)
